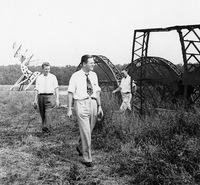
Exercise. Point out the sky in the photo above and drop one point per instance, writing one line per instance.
(61, 31)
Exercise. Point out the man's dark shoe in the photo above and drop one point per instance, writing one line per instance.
(88, 164)
(45, 130)
(79, 152)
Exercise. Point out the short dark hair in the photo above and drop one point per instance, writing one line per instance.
(84, 58)
(124, 69)
(45, 64)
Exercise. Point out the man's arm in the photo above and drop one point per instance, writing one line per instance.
(36, 89)
(116, 90)
(57, 96)
(99, 108)
(36, 96)
(70, 100)
(35, 102)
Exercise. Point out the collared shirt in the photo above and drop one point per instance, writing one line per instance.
(126, 84)
(78, 84)
(46, 84)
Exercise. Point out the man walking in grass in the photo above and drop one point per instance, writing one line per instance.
(46, 95)
(84, 88)
(125, 88)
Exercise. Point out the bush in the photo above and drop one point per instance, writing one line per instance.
(163, 149)
(110, 133)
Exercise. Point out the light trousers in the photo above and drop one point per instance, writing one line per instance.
(126, 101)
(86, 111)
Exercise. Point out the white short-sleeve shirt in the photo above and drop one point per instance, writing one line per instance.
(78, 84)
(126, 84)
(46, 84)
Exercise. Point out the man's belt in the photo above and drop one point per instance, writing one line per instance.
(92, 98)
(126, 92)
(46, 94)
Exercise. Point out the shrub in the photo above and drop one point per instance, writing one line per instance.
(162, 149)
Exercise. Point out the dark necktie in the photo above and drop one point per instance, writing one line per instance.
(89, 85)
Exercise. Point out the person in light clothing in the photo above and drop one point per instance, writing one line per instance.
(84, 89)
(125, 88)
(46, 95)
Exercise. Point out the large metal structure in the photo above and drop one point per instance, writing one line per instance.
(159, 81)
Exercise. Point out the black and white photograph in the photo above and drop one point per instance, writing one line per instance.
(99, 92)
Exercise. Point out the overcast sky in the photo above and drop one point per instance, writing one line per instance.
(61, 31)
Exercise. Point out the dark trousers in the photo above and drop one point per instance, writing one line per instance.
(46, 103)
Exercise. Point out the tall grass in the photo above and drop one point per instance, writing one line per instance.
(28, 157)
(31, 88)
(25, 156)
(156, 149)
(162, 149)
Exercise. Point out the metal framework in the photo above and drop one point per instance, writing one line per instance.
(189, 36)
(157, 79)
(27, 76)
(108, 68)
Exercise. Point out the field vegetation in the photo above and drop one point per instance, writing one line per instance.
(9, 74)
(159, 149)
(31, 88)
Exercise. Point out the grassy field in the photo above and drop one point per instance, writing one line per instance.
(27, 157)
(161, 149)
(31, 88)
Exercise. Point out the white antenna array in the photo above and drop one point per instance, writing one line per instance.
(27, 75)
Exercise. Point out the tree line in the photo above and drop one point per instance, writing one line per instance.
(9, 74)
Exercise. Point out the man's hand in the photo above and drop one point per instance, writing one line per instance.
(100, 111)
(35, 105)
(57, 103)
(69, 113)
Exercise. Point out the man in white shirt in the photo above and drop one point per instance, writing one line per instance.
(87, 104)
(125, 88)
(46, 95)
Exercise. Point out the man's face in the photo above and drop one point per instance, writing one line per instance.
(46, 70)
(90, 64)
(124, 73)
